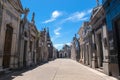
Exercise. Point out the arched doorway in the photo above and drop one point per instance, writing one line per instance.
(7, 46)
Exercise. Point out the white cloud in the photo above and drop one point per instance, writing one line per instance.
(78, 16)
(50, 20)
(56, 31)
(75, 16)
(54, 16)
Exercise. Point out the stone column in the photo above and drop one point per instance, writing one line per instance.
(2, 35)
(87, 54)
(2, 38)
(93, 52)
(105, 51)
(97, 49)
(13, 60)
(21, 52)
(84, 58)
(90, 57)
(73, 52)
(81, 54)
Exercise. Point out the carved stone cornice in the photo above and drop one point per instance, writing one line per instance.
(17, 5)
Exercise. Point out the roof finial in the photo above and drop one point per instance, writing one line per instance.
(97, 1)
(47, 29)
(75, 36)
(33, 16)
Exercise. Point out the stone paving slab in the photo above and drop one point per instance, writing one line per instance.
(62, 69)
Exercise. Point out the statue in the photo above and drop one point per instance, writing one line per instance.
(75, 37)
(26, 11)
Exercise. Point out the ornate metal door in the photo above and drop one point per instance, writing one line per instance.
(7, 47)
(118, 40)
(25, 53)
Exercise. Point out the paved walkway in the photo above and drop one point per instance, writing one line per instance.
(62, 69)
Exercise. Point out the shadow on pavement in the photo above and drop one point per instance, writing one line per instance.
(19, 72)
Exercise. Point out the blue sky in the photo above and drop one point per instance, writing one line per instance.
(63, 17)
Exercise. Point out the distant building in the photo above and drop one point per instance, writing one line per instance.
(61, 54)
(65, 52)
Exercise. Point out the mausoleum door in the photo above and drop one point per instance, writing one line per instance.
(117, 29)
(7, 46)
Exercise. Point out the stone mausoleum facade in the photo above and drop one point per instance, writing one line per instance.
(10, 11)
(112, 11)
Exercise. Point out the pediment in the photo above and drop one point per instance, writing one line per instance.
(17, 5)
